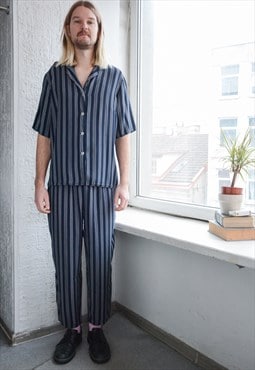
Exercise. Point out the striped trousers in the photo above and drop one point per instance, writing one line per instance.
(82, 213)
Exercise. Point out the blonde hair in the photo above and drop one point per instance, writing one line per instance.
(68, 52)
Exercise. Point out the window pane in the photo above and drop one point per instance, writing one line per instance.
(253, 78)
(252, 129)
(251, 186)
(230, 70)
(188, 88)
(228, 128)
(228, 122)
(252, 191)
(230, 86)
(251, 121)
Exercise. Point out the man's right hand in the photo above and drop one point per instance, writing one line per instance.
(42, 200)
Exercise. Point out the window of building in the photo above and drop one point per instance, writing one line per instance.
(224, 178)
(250, 190)
(253, 78)
(230, 80)
(252, 128)
(179, 76)
(228, 128)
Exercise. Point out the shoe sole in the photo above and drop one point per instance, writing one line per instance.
(99, 361)
(64, 361)
(94, 359)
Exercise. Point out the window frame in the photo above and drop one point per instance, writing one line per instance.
(136, 200)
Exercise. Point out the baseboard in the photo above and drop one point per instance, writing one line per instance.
(15, 339)
(7, 332)
(186, 351)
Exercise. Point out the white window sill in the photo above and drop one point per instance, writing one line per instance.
(188, 234)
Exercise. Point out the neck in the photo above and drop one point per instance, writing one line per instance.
(84, 58)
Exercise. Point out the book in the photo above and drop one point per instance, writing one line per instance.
(230, 233)
(240, 212)
(234, 221)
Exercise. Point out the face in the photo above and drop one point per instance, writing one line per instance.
(83, 28)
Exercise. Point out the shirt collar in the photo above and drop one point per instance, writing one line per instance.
(72, 74)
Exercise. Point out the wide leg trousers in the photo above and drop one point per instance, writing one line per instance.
(82, 213)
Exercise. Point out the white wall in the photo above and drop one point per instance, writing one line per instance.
(6, 173)
(27, 275)
(206, 303)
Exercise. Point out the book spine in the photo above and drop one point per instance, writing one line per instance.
(219, 218)
(234, 221)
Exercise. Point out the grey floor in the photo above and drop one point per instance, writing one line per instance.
(132, 349)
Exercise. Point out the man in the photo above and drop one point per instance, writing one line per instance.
(83, 118)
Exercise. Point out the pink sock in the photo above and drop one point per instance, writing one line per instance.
(78, 328)
(92, 326)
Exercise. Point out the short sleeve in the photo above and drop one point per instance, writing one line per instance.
(43, 118)
(125, 123)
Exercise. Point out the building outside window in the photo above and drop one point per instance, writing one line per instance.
(190, 86)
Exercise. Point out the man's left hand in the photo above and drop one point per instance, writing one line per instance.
(121, 197)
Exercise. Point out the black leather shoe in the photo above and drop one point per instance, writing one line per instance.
(66, 348)
(99, 349)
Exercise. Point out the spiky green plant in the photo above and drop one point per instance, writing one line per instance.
(240, 155)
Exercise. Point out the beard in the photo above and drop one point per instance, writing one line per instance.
(82, 45)
(85, 43)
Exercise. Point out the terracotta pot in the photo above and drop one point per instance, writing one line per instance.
(231, 190)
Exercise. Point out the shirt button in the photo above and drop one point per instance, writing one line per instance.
(82, 133)
(82, 153)
(82, 113)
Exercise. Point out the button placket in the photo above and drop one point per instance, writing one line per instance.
(82, 133)
(82, 125)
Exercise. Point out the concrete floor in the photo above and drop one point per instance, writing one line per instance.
(132, 349)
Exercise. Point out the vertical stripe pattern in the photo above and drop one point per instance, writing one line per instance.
(83, 124)
(78, 211)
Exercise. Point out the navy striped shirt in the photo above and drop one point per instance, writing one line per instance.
(83, 124)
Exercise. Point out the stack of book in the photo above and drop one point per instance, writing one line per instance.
(235, 226)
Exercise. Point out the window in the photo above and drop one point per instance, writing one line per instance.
(228, 128)
(182, 65)
(230, 80)
(251, 187)
(252, 128)
(253, 78)
(223, 176)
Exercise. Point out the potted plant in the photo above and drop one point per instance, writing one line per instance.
(240, 157)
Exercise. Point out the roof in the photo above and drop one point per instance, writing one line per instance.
(191, 152)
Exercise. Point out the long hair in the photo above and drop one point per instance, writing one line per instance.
(68, 52)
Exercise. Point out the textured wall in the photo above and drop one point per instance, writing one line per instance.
(37, 28)
(25, 242)
(6, 171)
